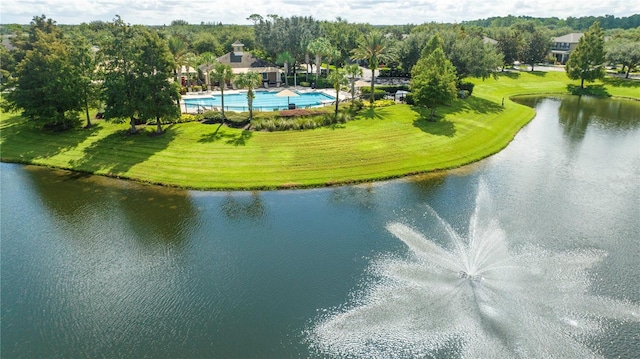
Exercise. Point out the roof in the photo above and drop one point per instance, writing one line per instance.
(571, 38)
(246, 61)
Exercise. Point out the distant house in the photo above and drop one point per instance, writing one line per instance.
(242, 62)
(563, 45)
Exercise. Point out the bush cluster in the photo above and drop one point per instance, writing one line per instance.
(377, 93)
(383, 103)
(466, 86)
(300, 113)
(300, 123)
(392, 88)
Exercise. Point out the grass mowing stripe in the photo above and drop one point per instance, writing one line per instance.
(381, 143)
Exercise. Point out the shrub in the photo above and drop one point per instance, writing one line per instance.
(358, 104)
(304, 84)
(408, 98)
(212, 116)
(186, 117)
(466, 86)
(393, 88)
(299, 113)
(183, 90)
(196, 88)
(377, 93)
(383, 103)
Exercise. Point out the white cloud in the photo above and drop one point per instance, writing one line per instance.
(158, 12)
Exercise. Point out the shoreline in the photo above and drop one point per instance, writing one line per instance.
(384, 144)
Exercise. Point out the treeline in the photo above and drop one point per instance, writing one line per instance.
(607, 22)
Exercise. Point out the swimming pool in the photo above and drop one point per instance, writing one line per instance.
(264, 101)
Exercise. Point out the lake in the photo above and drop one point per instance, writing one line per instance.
(98, 267)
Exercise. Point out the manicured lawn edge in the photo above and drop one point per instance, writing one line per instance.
(382, 144)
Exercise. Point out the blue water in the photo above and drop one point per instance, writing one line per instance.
(264, 101)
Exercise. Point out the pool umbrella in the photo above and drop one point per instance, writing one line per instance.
(288, 93)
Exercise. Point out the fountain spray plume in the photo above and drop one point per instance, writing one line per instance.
(475, 298)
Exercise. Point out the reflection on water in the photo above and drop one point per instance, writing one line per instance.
(97, 267)
(156, 215)
(237, 208)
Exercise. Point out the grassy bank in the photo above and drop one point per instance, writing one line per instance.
(382, 143)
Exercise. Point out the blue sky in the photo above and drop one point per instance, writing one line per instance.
(377, 12)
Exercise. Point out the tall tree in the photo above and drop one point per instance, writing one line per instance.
(353, 71)
(374, 48)
(120, 92)
(319, 47)
(285, 59)
(510, 43)
(222, 73)
(86, 63)
(178, 48)
(153, 69)
(206, 61)
(45, 89)
(625, 52)
(249, 80)
(536, 47)
(586, 61)
(411, 47)
(433, 81)
(338, 80)
(190, 60)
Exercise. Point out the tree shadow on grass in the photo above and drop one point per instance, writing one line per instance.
(235, 139)
(621, 82)
(510, 74)
(590, 90)
(370, 114)
(120, 151)
(474, 104)
(538, 73)
(24, 141)
(438, 126)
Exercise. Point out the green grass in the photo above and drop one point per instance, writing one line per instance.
(382, 143)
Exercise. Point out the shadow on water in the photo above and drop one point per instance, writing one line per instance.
(20, 139)
(237, 208)
(362, 196)
(157, 216)
(113, 152)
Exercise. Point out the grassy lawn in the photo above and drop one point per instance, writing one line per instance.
(381, 143)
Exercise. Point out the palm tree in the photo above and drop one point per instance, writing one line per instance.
(249, 80)
(331, 53)
(338, 80)
(285, 59)
(353, 71)
(206, 60)
(374, 48)
(190, 60)
(222, 73)
(318, 47)
(178, 49)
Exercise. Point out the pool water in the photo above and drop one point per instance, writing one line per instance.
(264, 101)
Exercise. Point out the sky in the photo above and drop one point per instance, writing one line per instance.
(376, 12)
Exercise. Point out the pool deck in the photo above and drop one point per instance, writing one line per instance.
(207, 94)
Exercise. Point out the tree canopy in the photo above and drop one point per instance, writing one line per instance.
(586, 62)
(433, 81)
